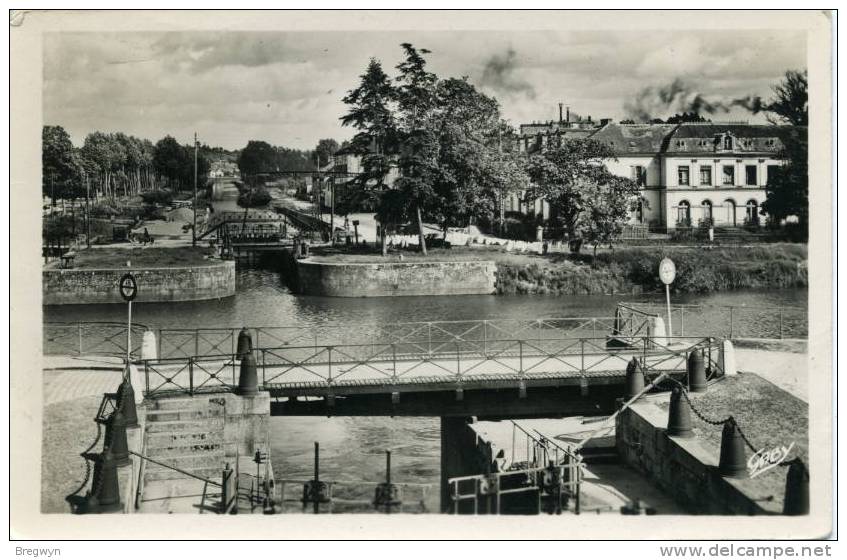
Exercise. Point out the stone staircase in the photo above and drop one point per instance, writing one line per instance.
(186, 433)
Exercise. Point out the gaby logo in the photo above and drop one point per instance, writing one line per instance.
(763, 460)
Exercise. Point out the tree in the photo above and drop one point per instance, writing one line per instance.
(256, 157)
(787, 189)
(392, 211)
(324, 151)
(60, 166)
(370, 112)
(416, 102)
(573, 178)
(170, 159)
(686, 117)
(791, 99)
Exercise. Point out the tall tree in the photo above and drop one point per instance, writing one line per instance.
(324, 151)
(416, 102)
(60, 169)
(370, 113)
(790, 103)
(573, 177)
(787, 189)
(256, 157)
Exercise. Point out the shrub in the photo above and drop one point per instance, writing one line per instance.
(157, 197)
(252, 198)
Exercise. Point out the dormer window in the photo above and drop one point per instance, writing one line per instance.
(727, 142)
(680, 144)
(770, 143)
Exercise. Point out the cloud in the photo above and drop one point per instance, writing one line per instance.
(499, 74)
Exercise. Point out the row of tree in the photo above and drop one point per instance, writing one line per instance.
(260, 157)
(109, 165)
(457, 159)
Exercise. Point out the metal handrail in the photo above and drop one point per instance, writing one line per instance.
(525, 357)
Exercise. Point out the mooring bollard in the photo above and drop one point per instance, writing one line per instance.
(679, 415)
(105, 494)
(116, 438)
(733, 460)
(245, 343)
(796, 489)
(126, 403)
(248, 381)
(696, 372)
(634, 378)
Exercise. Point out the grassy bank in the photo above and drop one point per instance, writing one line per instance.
(159, 257)
(635, 270)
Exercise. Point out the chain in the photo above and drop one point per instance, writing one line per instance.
(702, 417)
(87, 465)
(752, 447)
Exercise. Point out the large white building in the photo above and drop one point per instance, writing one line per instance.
(688, 172)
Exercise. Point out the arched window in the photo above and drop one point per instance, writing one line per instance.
(707, 210)
(727, 142)
(752, 217)
(683, 213)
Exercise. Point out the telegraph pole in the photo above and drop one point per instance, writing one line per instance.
(194, 227)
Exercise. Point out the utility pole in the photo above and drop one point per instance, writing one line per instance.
(194, 227)
(502, 192)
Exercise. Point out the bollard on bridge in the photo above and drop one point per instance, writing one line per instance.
(105, 494)
(796, 489)
(634, 378)
(248, 380)
(733, 460)
(245, 343)
(679, 415)
(696, 372)
(116, 438)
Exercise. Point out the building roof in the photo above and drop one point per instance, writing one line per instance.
(702, 138)
(635, 138)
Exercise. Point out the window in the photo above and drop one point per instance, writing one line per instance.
(682, 172)
(680, 144)
(770, 143)
(638, 173)
(727, 142)
(728, 175)
(706, 175)
(750, 175)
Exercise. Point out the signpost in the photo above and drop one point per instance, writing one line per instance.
(128, 288)
(667, 274)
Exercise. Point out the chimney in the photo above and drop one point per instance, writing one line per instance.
(560, 113)
(568, 114)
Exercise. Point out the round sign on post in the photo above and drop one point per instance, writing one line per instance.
(128, 287)
(667, 274)
(667, 271)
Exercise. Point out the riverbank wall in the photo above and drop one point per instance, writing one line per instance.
(100, 285)
(393, 279)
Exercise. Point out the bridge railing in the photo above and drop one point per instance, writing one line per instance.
(429, 335)
(414, 362)
(100, 338)
(728, 321)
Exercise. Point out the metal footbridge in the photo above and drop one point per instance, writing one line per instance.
(487, 368)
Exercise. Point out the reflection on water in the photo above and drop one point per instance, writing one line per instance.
(352, 448)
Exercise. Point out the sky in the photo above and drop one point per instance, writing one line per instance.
(286, 88)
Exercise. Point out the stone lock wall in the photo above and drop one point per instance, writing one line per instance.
(395, 279)
(70, 286)
(683, 468)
